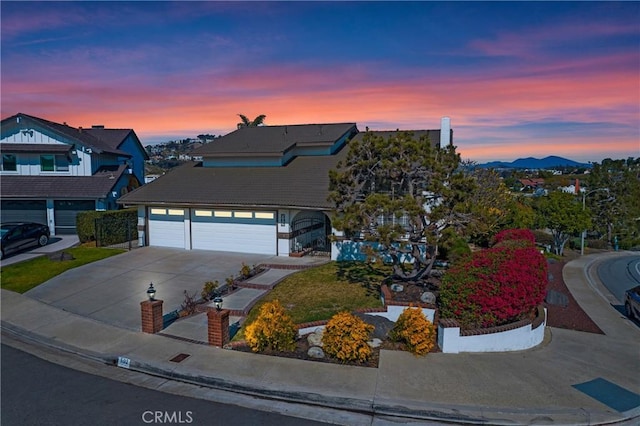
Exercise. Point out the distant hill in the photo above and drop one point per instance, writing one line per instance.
(550, 162)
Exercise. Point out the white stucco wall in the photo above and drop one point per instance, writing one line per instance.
(450, 341)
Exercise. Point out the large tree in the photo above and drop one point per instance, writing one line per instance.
(401, 193)
(563, 215)
(493, 206)
(613, 195)
(245, 122)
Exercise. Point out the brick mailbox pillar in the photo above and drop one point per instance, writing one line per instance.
(151, 316)
(218, 327)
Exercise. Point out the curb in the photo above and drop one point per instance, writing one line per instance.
(394, 411)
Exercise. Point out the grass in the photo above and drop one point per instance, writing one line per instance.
(24, 276)
(319, 293)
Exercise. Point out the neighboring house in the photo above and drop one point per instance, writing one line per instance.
(530, 184)
(50, 171)
(257, 190)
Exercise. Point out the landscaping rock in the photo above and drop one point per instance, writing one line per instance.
(315, 338)
(315, 352)
(428, 297)
(397, 287)
(374, 343)
(60, 256)
(554, 297)
(382, 325)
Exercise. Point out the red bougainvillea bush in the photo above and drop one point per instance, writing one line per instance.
(496, 286)
(515, 234)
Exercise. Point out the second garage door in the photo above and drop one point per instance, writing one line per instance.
(234, 231)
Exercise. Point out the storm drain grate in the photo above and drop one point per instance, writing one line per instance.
(179, 357)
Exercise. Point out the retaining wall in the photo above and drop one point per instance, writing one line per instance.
(512, 337)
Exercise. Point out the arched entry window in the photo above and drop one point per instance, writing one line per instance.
(310, 230)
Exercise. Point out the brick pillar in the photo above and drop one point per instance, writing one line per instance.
(218, 327)
(151, 316)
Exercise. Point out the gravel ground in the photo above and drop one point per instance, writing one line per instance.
(571, 316)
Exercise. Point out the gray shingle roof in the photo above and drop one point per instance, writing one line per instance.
(433, 135)
(274, 139)
(69, 187)
(303, 183)
(99, 140)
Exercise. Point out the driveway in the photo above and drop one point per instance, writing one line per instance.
(56, 243)
(111, 290)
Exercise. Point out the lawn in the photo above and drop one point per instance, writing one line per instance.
(320, 292)
(24, 276)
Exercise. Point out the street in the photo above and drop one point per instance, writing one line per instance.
(620, 274)
(37, 392)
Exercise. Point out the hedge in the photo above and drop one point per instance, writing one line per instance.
(114, 226)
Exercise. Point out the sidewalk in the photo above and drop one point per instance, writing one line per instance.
(528, 387)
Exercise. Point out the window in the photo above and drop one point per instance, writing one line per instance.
(260, 215)
(243, 215)
(54, 163)
(9, 163)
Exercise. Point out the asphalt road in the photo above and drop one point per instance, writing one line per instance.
(37, 392)
(620, 274)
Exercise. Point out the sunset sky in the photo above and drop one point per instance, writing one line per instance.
(517, 79)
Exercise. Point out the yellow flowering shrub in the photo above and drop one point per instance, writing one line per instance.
(415, 331)
(345, 337)
(273, 329)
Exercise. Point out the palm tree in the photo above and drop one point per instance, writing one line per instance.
(258, 121)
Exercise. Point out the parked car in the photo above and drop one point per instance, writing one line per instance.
(17, 236)
(632, 302)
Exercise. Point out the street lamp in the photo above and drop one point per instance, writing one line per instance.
(217, 301)
(151, 293)
(584, 197)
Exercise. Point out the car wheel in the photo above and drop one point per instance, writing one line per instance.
(43, 240)
(628, 311)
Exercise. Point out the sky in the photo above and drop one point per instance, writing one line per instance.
(517, 79)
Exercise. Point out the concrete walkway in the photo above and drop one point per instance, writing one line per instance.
(528, 387)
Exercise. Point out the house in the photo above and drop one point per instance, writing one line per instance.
(50, 171)
(257, 190)
(531, 184)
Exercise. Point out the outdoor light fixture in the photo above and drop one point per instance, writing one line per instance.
(151, 292)
(218, 302)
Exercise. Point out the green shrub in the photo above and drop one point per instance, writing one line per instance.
(245, 271)
(543, 238)
(454, 249)
(345, 338)
(415, 331)
(208, 289)
(597, 244)
(273, 329)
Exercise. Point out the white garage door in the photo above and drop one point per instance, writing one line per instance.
(234, 231)
(166, 227)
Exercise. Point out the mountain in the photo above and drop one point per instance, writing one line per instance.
(550, 162)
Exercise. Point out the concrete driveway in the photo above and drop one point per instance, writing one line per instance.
(111, 290)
